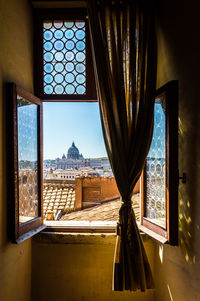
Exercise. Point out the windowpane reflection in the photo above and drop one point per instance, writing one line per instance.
(27, 158)
(156, 169)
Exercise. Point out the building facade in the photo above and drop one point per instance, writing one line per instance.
(75, 160)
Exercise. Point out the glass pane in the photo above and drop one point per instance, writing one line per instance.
(79, 185)
(27, 158)
(64, 57)
(156, 168)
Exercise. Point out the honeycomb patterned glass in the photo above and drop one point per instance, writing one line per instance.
(156, 169)
(27, 159)
(64, 57)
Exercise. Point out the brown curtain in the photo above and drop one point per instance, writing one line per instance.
(124, 54)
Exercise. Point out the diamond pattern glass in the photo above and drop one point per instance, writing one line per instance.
(156, 169)
(64, 57)
(27, 158)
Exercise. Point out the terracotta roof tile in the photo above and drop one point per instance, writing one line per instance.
(60, 198)
(108, 211)
(56, 198)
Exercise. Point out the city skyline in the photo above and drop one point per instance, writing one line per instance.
(65, 122)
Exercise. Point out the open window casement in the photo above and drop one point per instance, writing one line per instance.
(25, 163)
(159, 201)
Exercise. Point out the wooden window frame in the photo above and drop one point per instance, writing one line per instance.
(170, 233)
(20, 232)
(73, 14)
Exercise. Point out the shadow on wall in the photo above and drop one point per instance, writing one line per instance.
(189, 222)
(178, 58)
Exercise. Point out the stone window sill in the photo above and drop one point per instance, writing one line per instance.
(84, 233)
(78, 238)
(97, 229)
(81, 226)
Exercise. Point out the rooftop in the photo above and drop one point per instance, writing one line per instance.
(108, 211)
(59, 200)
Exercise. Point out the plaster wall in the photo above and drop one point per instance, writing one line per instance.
(78, 268)
(90, 190)
(97, 189)
(16, 65)
(177, 268)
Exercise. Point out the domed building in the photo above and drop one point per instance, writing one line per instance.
(73, 159)
(73, 152)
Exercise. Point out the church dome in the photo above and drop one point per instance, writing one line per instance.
(73, 152)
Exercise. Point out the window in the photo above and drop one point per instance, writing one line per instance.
(159, 210)
(63, 63)
(63, 72)
(72, 133)
(25, 185)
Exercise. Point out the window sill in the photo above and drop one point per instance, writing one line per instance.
(153, 235)
(81, 227)
(74, 238)
(79, 238)
(84, 233)
(76, 231)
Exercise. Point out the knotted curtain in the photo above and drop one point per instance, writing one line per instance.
(124, 55)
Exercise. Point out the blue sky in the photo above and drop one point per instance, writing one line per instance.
(65, 122)
(157, 149)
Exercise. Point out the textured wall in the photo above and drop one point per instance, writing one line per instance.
(93, 190)
(78, 268)
(16, 65)
(177, 268)
(97, 189)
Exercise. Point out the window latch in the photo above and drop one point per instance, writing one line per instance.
(183, 178)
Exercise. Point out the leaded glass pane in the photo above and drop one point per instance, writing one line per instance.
(156, 168)
(64, 57)
(27, 158)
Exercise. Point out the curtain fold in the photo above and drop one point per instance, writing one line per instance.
(124, 56)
